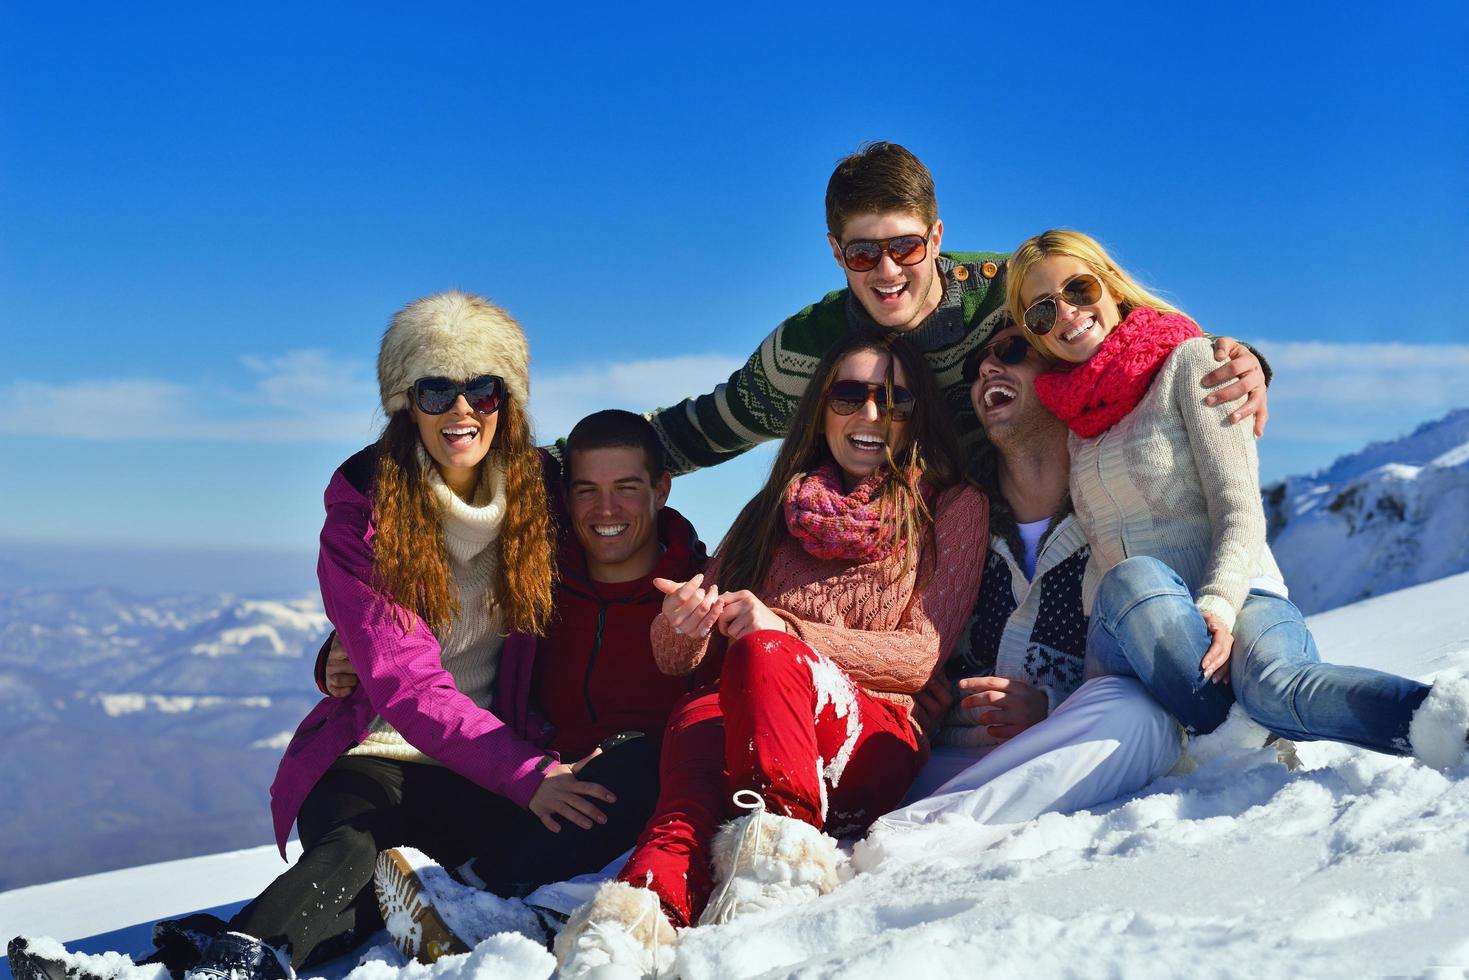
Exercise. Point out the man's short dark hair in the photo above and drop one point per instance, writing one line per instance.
(613, 428)
(880, 178)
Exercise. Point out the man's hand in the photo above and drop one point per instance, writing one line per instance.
(745, 613)
(931, 702)
(690, 610)
(562, 795)
(341, 676)
(933, 699)
(1007, 707)
(1215, 664)
(1248, 377)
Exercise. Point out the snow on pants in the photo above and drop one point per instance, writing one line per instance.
(1108, 739)
(787, 723)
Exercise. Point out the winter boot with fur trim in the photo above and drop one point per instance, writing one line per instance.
(764, 861)
(407, 905)
(1439, 731)
(621, 934)
(236, 956)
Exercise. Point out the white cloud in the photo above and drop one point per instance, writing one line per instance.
(298, 397)
(1367, 377)
(559, 399)
(312, 396)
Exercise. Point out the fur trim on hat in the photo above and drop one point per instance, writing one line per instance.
(1440, 726)
(451, 335)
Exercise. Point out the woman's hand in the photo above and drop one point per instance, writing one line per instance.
(1244, 369)
(1216, 659)
(745, 613)
(562, 795)
(690, 610)
(1011, 706)
(341, 676)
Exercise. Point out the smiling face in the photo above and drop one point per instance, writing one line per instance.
(1079, 330)
(457, 441)
(899, 297)
(862, 441)
(1003, 395)
(614, 504)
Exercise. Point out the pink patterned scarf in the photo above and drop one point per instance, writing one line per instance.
(833, 524)
(1096, 394)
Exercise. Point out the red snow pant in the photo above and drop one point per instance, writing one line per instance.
(787, 723)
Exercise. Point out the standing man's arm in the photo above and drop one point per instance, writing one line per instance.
(756, 403)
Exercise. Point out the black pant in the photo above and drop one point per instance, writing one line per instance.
(324, 905)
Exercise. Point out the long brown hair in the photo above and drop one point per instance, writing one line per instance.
(930, 455)
(410, 561)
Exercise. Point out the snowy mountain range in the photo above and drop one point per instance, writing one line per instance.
(138, 730)
(1353, 864)
(1390, 516)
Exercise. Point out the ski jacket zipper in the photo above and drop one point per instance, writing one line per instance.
(586, 685)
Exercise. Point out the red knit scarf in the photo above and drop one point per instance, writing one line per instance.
(1096, 394)
(831, 523)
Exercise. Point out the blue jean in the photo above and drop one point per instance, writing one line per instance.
(1144, 624)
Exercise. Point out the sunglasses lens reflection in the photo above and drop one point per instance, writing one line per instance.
(435, 395)
(862, 256)
(1082, 290)
(484, 394)
(1041, 317)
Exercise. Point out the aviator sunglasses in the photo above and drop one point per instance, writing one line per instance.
(863, 254)
(435, 396)
(1082, 289)
(846, 397)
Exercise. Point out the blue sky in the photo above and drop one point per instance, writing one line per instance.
(207, 215)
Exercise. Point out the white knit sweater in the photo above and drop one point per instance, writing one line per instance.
(471, 649)
(1174, 480)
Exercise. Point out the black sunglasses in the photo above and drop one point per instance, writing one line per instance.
(1082, 289)
(846, 397)
(435, 396)
(864, 254)
(1011, 350)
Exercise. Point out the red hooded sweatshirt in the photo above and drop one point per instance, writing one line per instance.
(594, 674)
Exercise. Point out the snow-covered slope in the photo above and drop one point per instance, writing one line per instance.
(143, 729)
(1392, 515)
(1355, 864)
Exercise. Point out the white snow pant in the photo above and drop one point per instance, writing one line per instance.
(1108, 739)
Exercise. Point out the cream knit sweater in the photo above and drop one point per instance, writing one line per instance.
(1174, 480)
(471, 649)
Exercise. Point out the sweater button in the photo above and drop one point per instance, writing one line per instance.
(988, 270)
(961, 272)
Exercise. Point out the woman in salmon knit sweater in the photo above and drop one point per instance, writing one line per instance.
(837, 593)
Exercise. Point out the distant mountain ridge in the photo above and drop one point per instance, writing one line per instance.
(1391, 515)
(144, 729)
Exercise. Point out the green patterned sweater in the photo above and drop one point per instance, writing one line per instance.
(756, 403)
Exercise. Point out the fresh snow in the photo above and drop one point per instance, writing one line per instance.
(1354, 864)
(1386, 517)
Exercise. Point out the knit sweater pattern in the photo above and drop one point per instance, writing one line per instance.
(871, 619)
(471, 648)
(1174, 480)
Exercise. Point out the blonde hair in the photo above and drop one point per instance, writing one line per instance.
(1127, 291)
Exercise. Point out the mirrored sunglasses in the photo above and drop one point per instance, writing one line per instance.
(846, 397)
(435, 396)
(1082, 289)
(863, 254)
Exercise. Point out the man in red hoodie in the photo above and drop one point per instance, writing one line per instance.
(596, 693)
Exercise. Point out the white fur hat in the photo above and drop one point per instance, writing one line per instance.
(451, 335)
